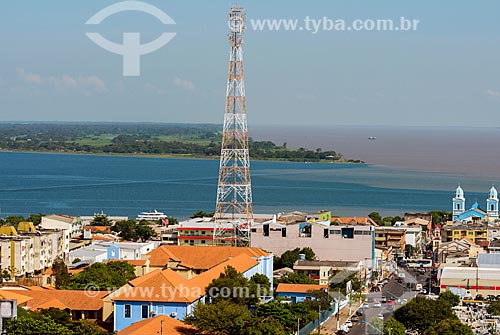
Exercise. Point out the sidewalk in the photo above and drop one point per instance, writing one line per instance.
(330, 325)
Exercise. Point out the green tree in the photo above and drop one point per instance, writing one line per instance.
(280, 312)
(60, 317)
(494, 307)
(201, 214)
(61, 273)
(103, 276)
(236, 284)
(87, 327)
(394, 327)
(100, 220)
(35, 218)
(226, 318)
(420, 313)
(289, 257)
(13, 220)
(375, 216)
(409, 250)
(296, 278)
(450, 298)
(144, 232)
(133, 231)
(27, 325)
(449, 327)
(375, 326)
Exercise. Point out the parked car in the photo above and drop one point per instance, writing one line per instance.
(355, 318)
(365, 305)
(348, 323)
(359, 312)
(383, 299)
(377, 305)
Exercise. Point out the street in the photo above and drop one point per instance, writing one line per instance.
(397, 294)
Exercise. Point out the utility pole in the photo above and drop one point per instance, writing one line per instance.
(234, 190)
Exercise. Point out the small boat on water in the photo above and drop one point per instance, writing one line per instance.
(372, 138)
(151, 216)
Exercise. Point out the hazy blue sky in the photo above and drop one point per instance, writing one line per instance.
(446, 73)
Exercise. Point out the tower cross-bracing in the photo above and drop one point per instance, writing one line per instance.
(234, 213)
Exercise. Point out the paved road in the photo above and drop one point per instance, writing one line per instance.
(392, 289)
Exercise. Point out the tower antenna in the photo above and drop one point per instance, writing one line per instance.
(234, 212)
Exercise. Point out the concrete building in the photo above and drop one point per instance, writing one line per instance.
(329, 242)
(102, 251)
(391, 237)
(322, 271)
(70, 225)
(474, 232)
(470, 281)
(27, 251)
(200, 232)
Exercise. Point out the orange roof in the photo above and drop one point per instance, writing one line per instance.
(94, 229)
(196, 257)
(168, 285)
(160, 324)
(136, 262)
(349, 220)
(9, 295)
(62, 299)
(298, 288)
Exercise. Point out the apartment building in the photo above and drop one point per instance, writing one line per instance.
(353, 242)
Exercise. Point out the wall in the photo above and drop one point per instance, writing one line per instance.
(160, 308)
(334, 247)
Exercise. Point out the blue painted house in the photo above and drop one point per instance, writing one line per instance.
(165, 292)
(297, 292)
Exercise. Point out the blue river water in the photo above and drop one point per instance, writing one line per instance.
(86, 184)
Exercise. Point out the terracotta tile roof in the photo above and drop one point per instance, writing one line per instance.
(241, 263)
(160, 324)
(349, 220)
(71, 299)
(298, 288)
(168, 285)
(94, 229)
(21, 299)
(196, 257)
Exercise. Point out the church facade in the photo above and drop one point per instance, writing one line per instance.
(475, 213)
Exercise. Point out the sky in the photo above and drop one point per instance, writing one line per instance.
(446, 73)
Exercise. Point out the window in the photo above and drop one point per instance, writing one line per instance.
(203, 242)
(325, 233)
(348, 232)
(144, 311)
(283, 232)
(253, 230)
(458, 206)
(335, 232)
(266, 230)
(127, 311)
(358, 232)
(492, 207)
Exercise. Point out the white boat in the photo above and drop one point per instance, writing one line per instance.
(151, 216)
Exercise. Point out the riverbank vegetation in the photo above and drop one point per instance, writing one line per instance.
(177, 140)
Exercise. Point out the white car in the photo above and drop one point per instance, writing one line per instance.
(365, 305)
(348, 323)
(377, 305)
